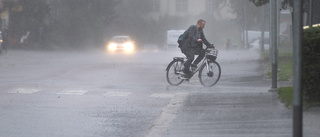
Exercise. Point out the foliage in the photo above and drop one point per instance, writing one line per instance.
(253, 14)
(285, 64)
(82, 21)
(29, 19)
(259, 2)
(35, 10)
(286, 96)
(285, 3)
(131, 19)
(311, 64)
(289, 3)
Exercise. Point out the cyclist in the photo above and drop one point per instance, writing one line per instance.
(192, 44)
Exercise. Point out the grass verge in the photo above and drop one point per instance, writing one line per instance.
(286, 96)
(285, 72)
(285, 65)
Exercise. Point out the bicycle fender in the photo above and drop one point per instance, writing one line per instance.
(168, 67)
(174, 60)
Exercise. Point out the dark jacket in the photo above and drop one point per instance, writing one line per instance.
(190, 41)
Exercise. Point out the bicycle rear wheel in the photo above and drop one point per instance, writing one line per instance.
(173, 77)
(209, 74)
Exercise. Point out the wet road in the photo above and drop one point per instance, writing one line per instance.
(91, 93)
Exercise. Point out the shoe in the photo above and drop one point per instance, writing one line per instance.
(181, 73)
(184, 77)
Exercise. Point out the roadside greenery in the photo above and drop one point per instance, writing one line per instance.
(286, 96)
(311, 64)
(310, 74)
(285, 63)
(285, 73)
(285, 69)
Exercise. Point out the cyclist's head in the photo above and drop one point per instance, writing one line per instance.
(201, 23)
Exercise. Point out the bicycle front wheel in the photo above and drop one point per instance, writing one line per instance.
(173, 77)
(209, 74)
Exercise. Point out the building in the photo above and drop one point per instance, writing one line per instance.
(190, 8)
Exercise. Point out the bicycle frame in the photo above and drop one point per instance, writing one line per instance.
(204, 60)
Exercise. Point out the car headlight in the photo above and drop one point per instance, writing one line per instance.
(112, 46)
(128, 46)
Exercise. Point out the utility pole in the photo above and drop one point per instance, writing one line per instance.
(262, 29)
(273, 41)
(245, 22)
(297, 46)
(310, 14)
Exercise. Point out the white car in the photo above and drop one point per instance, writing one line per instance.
(255, 45)
(121, 43)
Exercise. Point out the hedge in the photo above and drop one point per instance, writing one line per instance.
(311, 64)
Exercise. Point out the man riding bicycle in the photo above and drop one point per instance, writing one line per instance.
(192, 44)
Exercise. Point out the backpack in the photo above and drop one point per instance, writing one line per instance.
(182, 36)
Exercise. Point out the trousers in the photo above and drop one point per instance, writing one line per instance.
(190, 57)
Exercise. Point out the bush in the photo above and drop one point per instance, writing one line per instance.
(311, 64)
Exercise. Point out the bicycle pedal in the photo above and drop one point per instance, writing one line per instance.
(181, 73)
(184, 78)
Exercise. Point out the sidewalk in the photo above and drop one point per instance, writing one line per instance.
(238, 114)
(231, 114)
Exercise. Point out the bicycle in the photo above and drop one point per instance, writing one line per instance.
(209, 69)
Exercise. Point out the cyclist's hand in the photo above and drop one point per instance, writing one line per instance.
(211, 46)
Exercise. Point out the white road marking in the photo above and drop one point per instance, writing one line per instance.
(167, 115)
(24, 91)
(117, 94)
(73, 92)
(157, 95)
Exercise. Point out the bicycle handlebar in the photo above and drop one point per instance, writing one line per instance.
(210, 46)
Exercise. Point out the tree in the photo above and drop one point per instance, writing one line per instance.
(289, 3)
(132, 19)
(29, 19)
(259, 3)
(252, 13)
(82, 22)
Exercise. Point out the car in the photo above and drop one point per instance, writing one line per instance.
(121, 43)
(255, 45)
